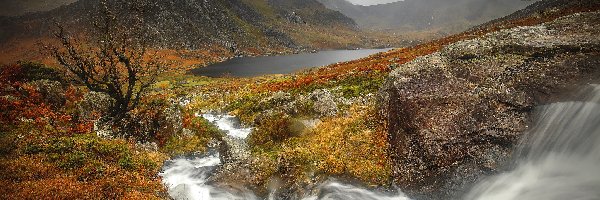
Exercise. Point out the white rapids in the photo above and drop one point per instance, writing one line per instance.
(338, 191)
(186, 178)
(559, 158)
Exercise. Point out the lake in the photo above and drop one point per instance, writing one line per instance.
(285, 64)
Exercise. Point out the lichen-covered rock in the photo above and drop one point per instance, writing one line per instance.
(278, 99)
(454, 115)
(52, 91)
(323, 103)
(94, 104)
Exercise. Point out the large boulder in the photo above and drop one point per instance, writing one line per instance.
(454, 115)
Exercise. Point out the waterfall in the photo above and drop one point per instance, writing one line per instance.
(558, 159)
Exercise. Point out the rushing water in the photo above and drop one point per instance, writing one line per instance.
(186, 178)
(559, 159)
(338, 191)
(256, 66)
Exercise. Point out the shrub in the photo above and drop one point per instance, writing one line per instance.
(36, 71)
(194, 138)
(271, 130)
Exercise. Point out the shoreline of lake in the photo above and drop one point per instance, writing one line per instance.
(281, 64)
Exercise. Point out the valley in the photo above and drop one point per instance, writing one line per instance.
(269, 100)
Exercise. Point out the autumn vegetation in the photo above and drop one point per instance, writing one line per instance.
(50, 146)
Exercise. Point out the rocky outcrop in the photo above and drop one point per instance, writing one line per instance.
(454, 115)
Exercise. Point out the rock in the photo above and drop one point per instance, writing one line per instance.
(294, 18)
(147, 146)
(300, 126)
(103, 130)
(52, 91)
(278, 99)
(171, 121)
(324, 103)
(94, 103)
(455, 115)
(180, 192)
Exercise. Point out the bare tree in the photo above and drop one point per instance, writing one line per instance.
(115, 58)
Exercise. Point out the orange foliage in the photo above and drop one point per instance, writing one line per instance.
(380, 62)
(43, 156)
(19, 101)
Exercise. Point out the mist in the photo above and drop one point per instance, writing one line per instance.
(418, 15)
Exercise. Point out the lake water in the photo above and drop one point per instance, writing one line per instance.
(256, 66)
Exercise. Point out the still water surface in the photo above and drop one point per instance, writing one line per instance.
(256, 66)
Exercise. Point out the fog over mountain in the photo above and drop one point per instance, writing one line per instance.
(418, 15)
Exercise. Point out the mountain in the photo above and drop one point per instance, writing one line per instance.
(418, 15)
(243, 27)
(15, 8)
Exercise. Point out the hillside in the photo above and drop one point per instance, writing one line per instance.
(224, 27)
(450, 110)
(422, 15)
(15, 8)
(424, 122)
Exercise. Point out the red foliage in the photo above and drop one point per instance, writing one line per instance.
(23, 102)
(380, 62)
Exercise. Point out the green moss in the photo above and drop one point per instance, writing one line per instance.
(36, 71)
(126, 162)
(90, 152)
(203, 131)
(247, 107)
(73, 160)
(163, 84)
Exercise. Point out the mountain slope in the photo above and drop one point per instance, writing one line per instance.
(15, 8)
(411, 15)
(240, 27)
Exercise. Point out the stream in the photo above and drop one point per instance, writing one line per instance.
(186, 177)
(559, 158)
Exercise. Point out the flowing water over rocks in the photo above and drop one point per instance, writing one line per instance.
(558, 159)
(190, 177)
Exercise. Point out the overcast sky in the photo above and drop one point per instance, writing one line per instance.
(371, 2)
